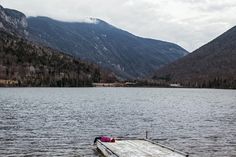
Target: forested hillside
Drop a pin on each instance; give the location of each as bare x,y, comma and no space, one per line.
25,64
212,66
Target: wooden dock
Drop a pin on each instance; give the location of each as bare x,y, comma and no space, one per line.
136,148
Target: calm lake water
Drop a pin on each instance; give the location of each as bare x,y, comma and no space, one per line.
64,122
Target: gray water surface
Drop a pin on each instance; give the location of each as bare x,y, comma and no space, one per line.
64,122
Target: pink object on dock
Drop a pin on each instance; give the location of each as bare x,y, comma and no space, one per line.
107,139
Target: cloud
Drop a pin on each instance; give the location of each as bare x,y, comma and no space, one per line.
189,23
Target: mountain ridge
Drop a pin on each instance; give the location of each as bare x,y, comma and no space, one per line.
129,56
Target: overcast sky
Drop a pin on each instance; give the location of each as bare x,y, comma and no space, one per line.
189,23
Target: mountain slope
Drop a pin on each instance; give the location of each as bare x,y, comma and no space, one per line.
23,63
212,65
127,55
32,65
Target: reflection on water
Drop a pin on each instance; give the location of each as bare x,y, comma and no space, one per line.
64,122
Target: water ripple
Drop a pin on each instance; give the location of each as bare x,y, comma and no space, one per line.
64,121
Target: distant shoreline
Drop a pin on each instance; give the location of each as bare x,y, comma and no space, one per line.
111,86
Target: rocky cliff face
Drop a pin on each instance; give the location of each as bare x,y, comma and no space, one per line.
13,21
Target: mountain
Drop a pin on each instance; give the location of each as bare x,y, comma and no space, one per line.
129,56
212,65
23,63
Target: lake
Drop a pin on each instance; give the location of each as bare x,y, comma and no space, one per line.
64,121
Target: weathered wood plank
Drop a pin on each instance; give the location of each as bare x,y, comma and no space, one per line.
137,148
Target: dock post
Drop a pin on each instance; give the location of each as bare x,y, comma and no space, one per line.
146,134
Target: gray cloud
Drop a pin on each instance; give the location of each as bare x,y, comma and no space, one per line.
189,23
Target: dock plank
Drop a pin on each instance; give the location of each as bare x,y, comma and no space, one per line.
139,148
